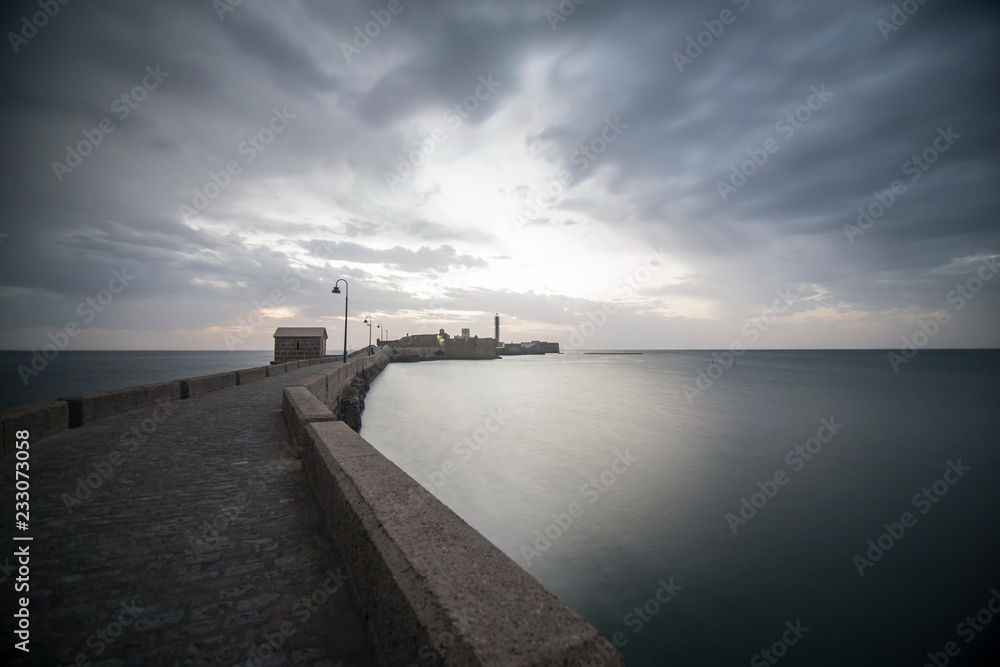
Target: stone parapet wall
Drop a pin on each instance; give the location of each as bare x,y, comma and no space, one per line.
49,418
88,407
470,348
41,420
206,383
428,582
340,389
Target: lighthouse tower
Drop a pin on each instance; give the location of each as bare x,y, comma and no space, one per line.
496,329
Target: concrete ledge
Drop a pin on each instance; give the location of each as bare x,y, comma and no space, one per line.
41,420
316,384
207,383
248,375
299,408
378,362
336,384
334,381
426,580
88,407
275,369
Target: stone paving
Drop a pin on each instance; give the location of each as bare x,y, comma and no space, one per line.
180,535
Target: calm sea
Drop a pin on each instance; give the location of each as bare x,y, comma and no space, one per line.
813,505
80,372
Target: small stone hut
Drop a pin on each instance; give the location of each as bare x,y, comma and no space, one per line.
294,343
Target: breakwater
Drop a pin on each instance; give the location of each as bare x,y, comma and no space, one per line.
430,584
202,574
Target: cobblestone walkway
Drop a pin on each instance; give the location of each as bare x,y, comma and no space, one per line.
180,535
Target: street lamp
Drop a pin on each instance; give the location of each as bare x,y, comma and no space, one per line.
368,321
385,332
336,290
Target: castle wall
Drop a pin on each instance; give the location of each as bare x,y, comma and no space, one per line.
470,348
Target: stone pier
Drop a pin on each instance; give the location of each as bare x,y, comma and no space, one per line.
235,519
182,533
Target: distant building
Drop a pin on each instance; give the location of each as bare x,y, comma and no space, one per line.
442,346
533,347
424,347
415,340
293,343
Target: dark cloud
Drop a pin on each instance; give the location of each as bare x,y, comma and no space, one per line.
891,95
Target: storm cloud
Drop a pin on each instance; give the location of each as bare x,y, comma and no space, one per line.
456,159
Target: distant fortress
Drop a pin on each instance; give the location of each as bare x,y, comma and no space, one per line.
428,347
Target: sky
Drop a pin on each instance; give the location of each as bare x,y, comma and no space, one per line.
608,175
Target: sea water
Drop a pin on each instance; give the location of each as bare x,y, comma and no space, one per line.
801,507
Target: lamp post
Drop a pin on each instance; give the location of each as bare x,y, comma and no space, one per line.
385,333
336,290
368,321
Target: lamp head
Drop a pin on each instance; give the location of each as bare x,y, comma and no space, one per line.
336,289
